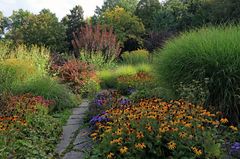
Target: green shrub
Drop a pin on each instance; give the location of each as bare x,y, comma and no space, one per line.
195,92
15,71
4,51
98,61
39,56
136,57
51,90
91,88
107,79
211,53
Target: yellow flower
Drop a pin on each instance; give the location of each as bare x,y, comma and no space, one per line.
149,128
197,151
119,141
119,132
224,120
182,134
172,145
94,135
140,135
188,125
123,150
110,155
233,128
140,146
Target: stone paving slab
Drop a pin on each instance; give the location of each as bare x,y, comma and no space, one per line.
68,132
82,141
74,155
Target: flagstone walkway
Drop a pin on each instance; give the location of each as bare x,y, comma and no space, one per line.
75,140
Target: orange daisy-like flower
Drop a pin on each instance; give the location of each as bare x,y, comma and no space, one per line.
197,151
140,135
123,150
233,128
110,155
182,134
171,145
140,146
224,120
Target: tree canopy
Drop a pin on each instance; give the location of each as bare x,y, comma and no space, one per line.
125,25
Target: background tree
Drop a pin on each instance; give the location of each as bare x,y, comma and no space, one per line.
126,26
17,20
1,23
72,22
42,29
128,5
146,11
225,11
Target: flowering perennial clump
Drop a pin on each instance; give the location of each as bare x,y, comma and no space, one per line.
15,110
130,82
154,128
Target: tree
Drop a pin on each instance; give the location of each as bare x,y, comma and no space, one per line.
224,11
128,5
41,29
2,25
72,22
17,20
146,10
125,25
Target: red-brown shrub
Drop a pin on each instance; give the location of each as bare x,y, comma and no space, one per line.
76,74
92,39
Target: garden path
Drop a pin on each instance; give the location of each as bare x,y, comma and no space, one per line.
75,140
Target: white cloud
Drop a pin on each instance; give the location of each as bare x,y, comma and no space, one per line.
59,7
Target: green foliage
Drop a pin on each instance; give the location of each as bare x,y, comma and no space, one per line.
35,140
128,5
41,29
225,11
195,92
15,71
73,21
98,61
146,10
136,57
108,78
125,25
50,89
211,53
38,56
91,88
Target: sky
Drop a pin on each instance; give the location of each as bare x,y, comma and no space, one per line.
59,7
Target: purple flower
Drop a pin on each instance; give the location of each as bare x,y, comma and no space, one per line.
131,90
235,148
98,118
99,102
124,101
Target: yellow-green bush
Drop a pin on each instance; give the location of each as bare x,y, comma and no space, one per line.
212,53
15,71
136,57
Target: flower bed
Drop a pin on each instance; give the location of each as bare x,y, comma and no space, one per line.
26,129
153,128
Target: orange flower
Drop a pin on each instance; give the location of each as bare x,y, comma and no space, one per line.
224,120
123,150
140,146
